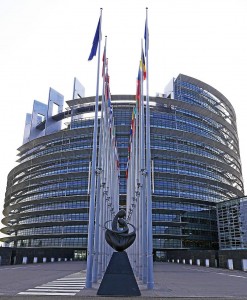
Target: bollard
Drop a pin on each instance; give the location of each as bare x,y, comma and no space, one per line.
230,264
24,260
216,263
244,264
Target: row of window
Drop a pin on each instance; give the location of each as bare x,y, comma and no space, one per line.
200,172
188,127
163,117
195,95
63,148
193,149
207,220
55,206
53,242
55,218
198,221
172,189
196,190
82,242
163,145
188,185
174,205
162,142
203,214
54,141
53,170
167,243
166,230
77,160
229,134
177,169
171,166
81,123
162,188
166,217
49,186
200,244
53,230
52,194
206,233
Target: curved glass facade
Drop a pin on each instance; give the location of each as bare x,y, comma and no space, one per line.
195,158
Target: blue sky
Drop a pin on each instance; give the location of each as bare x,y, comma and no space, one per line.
45,43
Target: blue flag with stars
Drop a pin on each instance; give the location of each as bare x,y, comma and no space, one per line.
95,42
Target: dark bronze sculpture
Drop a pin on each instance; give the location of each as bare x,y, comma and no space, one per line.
119,237
119,279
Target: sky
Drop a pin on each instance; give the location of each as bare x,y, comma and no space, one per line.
46,43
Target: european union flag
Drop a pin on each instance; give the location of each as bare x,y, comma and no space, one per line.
95,42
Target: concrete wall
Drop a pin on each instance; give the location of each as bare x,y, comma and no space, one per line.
5,254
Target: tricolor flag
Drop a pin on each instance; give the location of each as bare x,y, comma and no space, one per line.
143,66
127,170
138,87
97,36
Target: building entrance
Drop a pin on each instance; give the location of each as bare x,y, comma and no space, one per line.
80,254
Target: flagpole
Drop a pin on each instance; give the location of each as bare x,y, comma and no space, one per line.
138,242
99,176
142,174
139,174
150,278
93,178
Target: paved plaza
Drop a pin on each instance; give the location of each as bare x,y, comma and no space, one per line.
64,280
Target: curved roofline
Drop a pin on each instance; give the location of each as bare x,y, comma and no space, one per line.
209,88
175,102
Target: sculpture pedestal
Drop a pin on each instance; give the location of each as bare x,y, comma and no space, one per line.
119,279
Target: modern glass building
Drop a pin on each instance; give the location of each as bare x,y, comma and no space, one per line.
232,224
195,164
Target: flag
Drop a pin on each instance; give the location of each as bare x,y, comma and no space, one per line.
107,86
104,60
133,121
146,37
126,172
143,66
95,41
138,87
